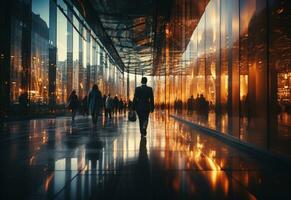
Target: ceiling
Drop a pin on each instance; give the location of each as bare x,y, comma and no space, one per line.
146,37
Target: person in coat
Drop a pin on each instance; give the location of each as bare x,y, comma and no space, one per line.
143,103
109,106
73,104
95,103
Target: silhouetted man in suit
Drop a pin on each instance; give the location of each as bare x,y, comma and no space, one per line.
143,103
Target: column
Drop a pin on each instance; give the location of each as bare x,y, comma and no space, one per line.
94,62
88,83
52,54
81,67
127,85
135,78
26,48
69,50
5,9
218,71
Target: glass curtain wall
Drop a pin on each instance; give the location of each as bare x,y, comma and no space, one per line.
91,63
81,60
20,37
238,59
61,71
76,61
279,41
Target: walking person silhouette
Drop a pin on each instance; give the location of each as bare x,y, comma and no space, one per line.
143,103
95,103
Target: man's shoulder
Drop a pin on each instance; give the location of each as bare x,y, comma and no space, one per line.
138,88
148,88
143,88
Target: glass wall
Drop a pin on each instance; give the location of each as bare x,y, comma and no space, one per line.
80,58
280,74
19,39
39,80
76,52
238,59
61,76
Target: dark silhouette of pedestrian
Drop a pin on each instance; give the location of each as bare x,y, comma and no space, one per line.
73,104
84,106
108,106
95,103
143,103
203,105
115,104
120,105
190,105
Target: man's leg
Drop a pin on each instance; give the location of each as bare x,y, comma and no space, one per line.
73,114
94,116
143,122
140,119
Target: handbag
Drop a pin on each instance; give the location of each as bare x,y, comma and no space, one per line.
131,116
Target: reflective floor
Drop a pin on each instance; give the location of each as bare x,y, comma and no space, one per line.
55,159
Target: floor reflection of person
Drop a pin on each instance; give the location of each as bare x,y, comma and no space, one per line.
143,104
108,106
143,172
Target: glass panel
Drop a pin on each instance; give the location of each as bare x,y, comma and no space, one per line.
61,77
201,56
280,76
76,36
253,55
38,92
17,69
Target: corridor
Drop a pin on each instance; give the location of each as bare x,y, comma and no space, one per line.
55,159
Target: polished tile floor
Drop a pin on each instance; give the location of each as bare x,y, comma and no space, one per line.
55,159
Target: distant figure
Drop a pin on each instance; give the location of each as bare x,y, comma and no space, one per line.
84,106
73,104
190,105
203,105
143,103
196,104
115,104
95,103
108,106
120,105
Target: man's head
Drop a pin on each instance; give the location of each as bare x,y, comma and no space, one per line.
144,80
